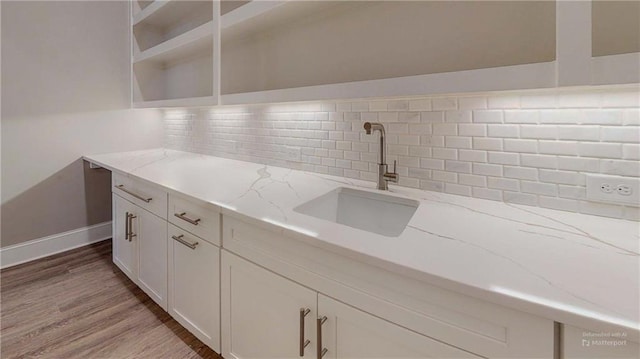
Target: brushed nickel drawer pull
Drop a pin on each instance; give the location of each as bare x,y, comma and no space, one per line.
183,217
130,220
121,187
126,226
303,343
320,350
181,240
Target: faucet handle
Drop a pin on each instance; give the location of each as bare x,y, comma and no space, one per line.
394,167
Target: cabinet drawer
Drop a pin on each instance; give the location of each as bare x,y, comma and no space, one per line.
142,194
198,218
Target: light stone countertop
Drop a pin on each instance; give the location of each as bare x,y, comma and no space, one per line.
573,268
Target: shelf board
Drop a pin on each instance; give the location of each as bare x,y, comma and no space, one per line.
529,76
615,69
178,102
165,12
258,15
149,10
180,46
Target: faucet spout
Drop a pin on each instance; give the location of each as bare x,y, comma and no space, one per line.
383,175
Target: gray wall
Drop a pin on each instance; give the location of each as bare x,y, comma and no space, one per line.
65,93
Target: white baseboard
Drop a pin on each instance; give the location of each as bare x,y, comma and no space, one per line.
43,247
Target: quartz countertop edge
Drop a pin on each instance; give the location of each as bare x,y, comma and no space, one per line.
576,269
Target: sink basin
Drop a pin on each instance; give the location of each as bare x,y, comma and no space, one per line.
368,211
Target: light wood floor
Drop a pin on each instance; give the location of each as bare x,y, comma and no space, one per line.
78,304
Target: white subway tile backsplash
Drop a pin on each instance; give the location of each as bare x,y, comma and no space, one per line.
539,131
559,203
442,176
631,117
520,173
457,142
620,167
526,148
504,158
503,101
457,116
562,177
442,104
472,103
472,155
420,105
558,147
457,189
503,183
522,146
445,153
488,116
540,161
631,151
601,150
580,164
503,131
457,166
620,134
445,129
487,169
547,189
603,117
432,117
579,133
520,198
491,144
477,130
572,192
431,163
487,193
521,116
472,180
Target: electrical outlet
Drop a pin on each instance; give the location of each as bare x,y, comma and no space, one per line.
613,189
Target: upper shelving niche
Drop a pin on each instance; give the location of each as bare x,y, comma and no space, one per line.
615,42
173,53
269,46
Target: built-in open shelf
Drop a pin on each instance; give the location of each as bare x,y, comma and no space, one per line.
194,41
202,53
175,44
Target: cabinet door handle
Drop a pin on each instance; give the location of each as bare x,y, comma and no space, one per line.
303,343
126,226
320,350
130,220
183,217
180,239
121,187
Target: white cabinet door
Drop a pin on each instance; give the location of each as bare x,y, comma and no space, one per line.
194,285
351,333
261,313
150,233
124,250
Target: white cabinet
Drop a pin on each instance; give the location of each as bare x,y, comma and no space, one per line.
350,333
261,315
265,315
140,248
150,232
124,250
194,286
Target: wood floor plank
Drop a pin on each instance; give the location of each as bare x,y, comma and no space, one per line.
78,304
